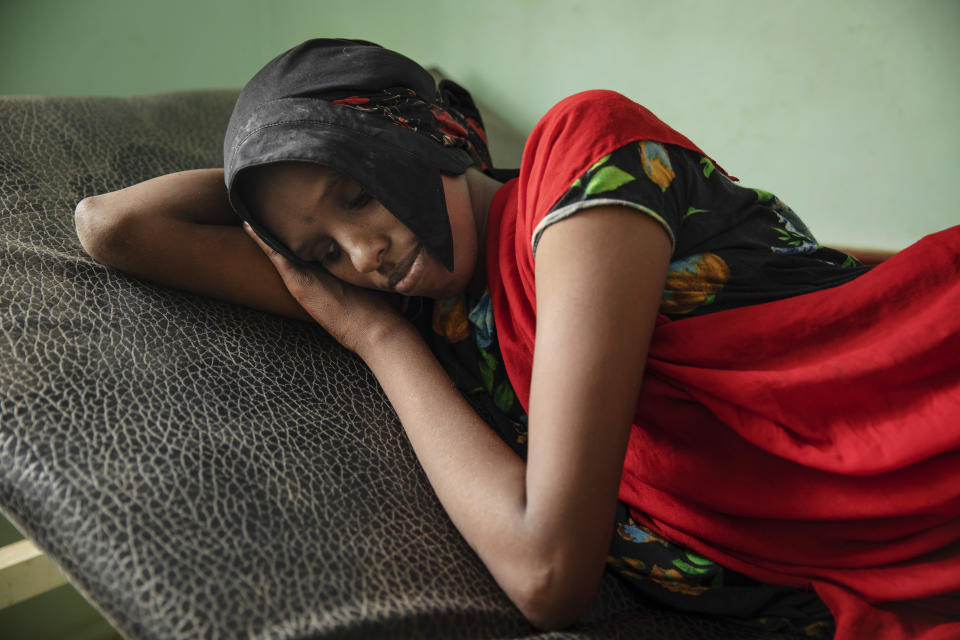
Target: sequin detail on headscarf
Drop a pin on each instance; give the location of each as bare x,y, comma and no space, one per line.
405,108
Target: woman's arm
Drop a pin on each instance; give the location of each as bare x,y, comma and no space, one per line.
543,527
178,230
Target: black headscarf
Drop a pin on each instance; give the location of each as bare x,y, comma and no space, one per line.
368,113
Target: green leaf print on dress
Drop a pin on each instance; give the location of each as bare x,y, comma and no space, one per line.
608,179
792,232
850,261
579,181
673,568
794,235
599,162
708,166
503,397
764,196
488,367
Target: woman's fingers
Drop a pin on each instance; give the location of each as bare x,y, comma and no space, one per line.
288,271
260,243
275,258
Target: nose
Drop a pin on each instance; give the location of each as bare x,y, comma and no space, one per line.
366,251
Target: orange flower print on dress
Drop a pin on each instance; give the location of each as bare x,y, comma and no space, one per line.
675,581
656,164
450,319
692,282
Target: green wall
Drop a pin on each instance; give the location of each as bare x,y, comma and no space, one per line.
847,109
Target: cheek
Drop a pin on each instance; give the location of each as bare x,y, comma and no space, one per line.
462,227
345,275
438,283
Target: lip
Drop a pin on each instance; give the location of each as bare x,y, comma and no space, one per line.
407,275
403,267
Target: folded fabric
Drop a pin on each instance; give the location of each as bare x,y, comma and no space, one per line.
816,441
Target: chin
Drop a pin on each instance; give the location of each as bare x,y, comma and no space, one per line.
439,283
442,292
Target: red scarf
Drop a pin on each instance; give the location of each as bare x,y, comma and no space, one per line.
812,441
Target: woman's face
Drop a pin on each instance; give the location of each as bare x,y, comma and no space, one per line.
327,218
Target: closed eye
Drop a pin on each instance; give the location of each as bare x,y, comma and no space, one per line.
359,201
323,252
331,254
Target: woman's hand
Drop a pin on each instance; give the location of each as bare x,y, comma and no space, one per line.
354,316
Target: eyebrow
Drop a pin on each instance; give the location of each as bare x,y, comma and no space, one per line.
332,184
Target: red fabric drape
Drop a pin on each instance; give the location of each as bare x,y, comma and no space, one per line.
812,441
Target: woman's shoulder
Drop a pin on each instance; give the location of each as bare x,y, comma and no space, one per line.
602,113
578,132
601,100
583,128
589,114
588,100
573,134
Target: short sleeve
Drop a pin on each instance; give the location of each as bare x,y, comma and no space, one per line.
640,175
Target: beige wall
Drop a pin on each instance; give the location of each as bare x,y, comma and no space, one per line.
847,109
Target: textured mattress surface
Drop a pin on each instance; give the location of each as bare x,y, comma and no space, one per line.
202,470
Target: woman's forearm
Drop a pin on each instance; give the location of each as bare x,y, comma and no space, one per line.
178,230
479,480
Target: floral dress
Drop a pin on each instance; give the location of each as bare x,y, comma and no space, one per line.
732,247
